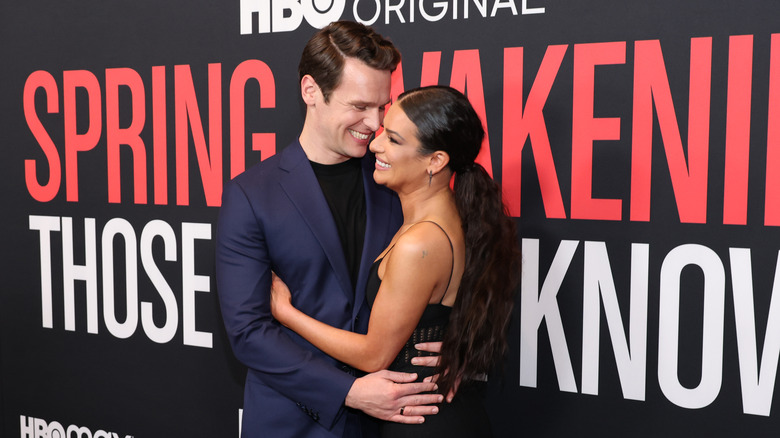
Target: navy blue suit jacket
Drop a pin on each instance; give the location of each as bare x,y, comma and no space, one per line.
275,217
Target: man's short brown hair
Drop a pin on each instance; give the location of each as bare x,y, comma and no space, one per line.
324,55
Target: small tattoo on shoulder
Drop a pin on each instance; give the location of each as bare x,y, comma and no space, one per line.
425,253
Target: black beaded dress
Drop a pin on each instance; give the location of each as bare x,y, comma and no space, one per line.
465,416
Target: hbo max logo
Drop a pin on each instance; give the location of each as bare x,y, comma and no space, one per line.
287,15
31,427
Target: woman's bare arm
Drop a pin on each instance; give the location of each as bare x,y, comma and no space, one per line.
418,264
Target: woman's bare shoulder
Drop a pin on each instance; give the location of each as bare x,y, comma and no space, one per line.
423,239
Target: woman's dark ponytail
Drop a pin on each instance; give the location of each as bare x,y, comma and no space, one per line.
476,334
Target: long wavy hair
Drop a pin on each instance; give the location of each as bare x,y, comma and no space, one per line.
475,338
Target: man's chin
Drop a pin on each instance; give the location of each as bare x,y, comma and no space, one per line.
358,152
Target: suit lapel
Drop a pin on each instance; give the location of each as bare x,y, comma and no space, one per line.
379,218
301,186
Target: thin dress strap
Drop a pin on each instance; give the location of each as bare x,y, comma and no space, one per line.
452,252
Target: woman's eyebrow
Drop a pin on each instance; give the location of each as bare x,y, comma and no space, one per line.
395,133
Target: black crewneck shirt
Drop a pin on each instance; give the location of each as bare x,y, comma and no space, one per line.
342,185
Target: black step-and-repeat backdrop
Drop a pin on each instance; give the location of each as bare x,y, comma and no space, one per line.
637,142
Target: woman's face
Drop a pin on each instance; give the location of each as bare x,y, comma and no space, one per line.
399,164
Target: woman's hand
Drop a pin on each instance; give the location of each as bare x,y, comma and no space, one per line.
281,299
433,361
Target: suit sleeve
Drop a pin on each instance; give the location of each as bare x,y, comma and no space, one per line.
243,280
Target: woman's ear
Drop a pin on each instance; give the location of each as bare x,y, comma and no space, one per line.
438,161
309,90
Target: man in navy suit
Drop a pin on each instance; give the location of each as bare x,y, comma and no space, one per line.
313,215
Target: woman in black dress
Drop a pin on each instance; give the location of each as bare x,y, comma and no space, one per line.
448,274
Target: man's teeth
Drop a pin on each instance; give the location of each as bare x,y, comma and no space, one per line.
382,164
358,135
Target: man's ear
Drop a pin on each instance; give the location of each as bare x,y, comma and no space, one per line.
309,90
438,161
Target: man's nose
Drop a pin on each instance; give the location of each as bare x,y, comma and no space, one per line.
374,120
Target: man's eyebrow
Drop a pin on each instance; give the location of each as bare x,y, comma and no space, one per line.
366,103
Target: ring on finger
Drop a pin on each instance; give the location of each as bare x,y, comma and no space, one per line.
402,410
